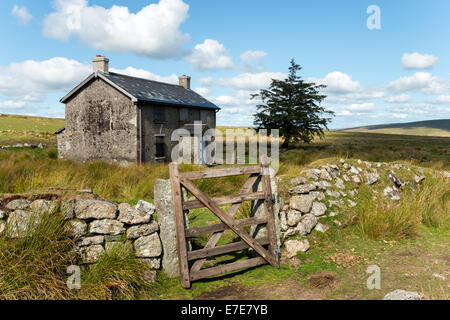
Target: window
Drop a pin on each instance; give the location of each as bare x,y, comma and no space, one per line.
184,114
204,116
159,114
160,147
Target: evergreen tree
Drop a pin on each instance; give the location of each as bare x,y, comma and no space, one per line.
294,107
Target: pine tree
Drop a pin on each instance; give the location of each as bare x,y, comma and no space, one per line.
294,107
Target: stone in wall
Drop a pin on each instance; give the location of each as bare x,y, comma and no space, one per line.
95,209
148,246
135,232
131,215
106,226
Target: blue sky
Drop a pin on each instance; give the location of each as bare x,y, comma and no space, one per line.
398,73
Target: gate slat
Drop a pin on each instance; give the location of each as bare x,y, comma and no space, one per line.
195,231
216,173
226,248
195,204
205,273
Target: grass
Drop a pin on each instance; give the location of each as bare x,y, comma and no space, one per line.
407,237
34,267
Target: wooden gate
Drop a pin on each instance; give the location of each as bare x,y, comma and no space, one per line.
191,262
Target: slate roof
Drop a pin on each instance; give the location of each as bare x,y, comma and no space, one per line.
148,90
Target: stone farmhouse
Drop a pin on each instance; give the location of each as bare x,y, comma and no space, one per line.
127,119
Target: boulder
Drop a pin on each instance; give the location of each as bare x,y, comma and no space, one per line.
68,209
402,295
372,177
313,174
391,193
302,202
293,217
135,232
294,246
319,196
44,206
77,228
324,175
318,209
19,204
131,215
302,189
106,226
419,178
298,180
153,264
307,224
89,241
321,227
95,209
353,170
324,185
22,222
397,182
145,206
148,246
91,254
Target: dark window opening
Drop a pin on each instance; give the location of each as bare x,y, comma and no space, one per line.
159,114
160,148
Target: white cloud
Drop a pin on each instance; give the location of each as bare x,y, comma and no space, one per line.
141,73
399,115
210,55
417,60
21,14
419,81
442,99
152,32
338,82
11,104
202,91
253,55
398,98
360,106
32,80
245,81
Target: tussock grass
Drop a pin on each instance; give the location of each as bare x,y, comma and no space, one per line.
379,218
34,267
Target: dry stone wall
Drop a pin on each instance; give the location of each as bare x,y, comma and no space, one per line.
95,225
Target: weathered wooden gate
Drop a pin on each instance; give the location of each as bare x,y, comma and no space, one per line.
191,262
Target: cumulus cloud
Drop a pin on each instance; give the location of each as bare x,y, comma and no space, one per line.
210,55
153,31
253,61
420,81
21,14
360,106
398,98
32,80
338,82
399,115
245,81
441,99
141,73
253,55
202,91
417,60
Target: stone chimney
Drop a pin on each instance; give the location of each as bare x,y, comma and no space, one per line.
100,63
185,81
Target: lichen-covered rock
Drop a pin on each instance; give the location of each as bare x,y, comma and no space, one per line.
397,182
324,185
89,241
153,264
19,204
321,227
356,179
391,193
302,202
22,222
2,227
353,170
77,228
68,209
298,180
402,295
148,246
318,209
302,189
106,226
313,174
333,194
44,206
91,254
293,217
339,184
283,221
307,224
294,246
318,195
135,232
372,177
145,206
419,178
95,209
131,215
325,175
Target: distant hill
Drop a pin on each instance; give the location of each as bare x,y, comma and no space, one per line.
419,128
